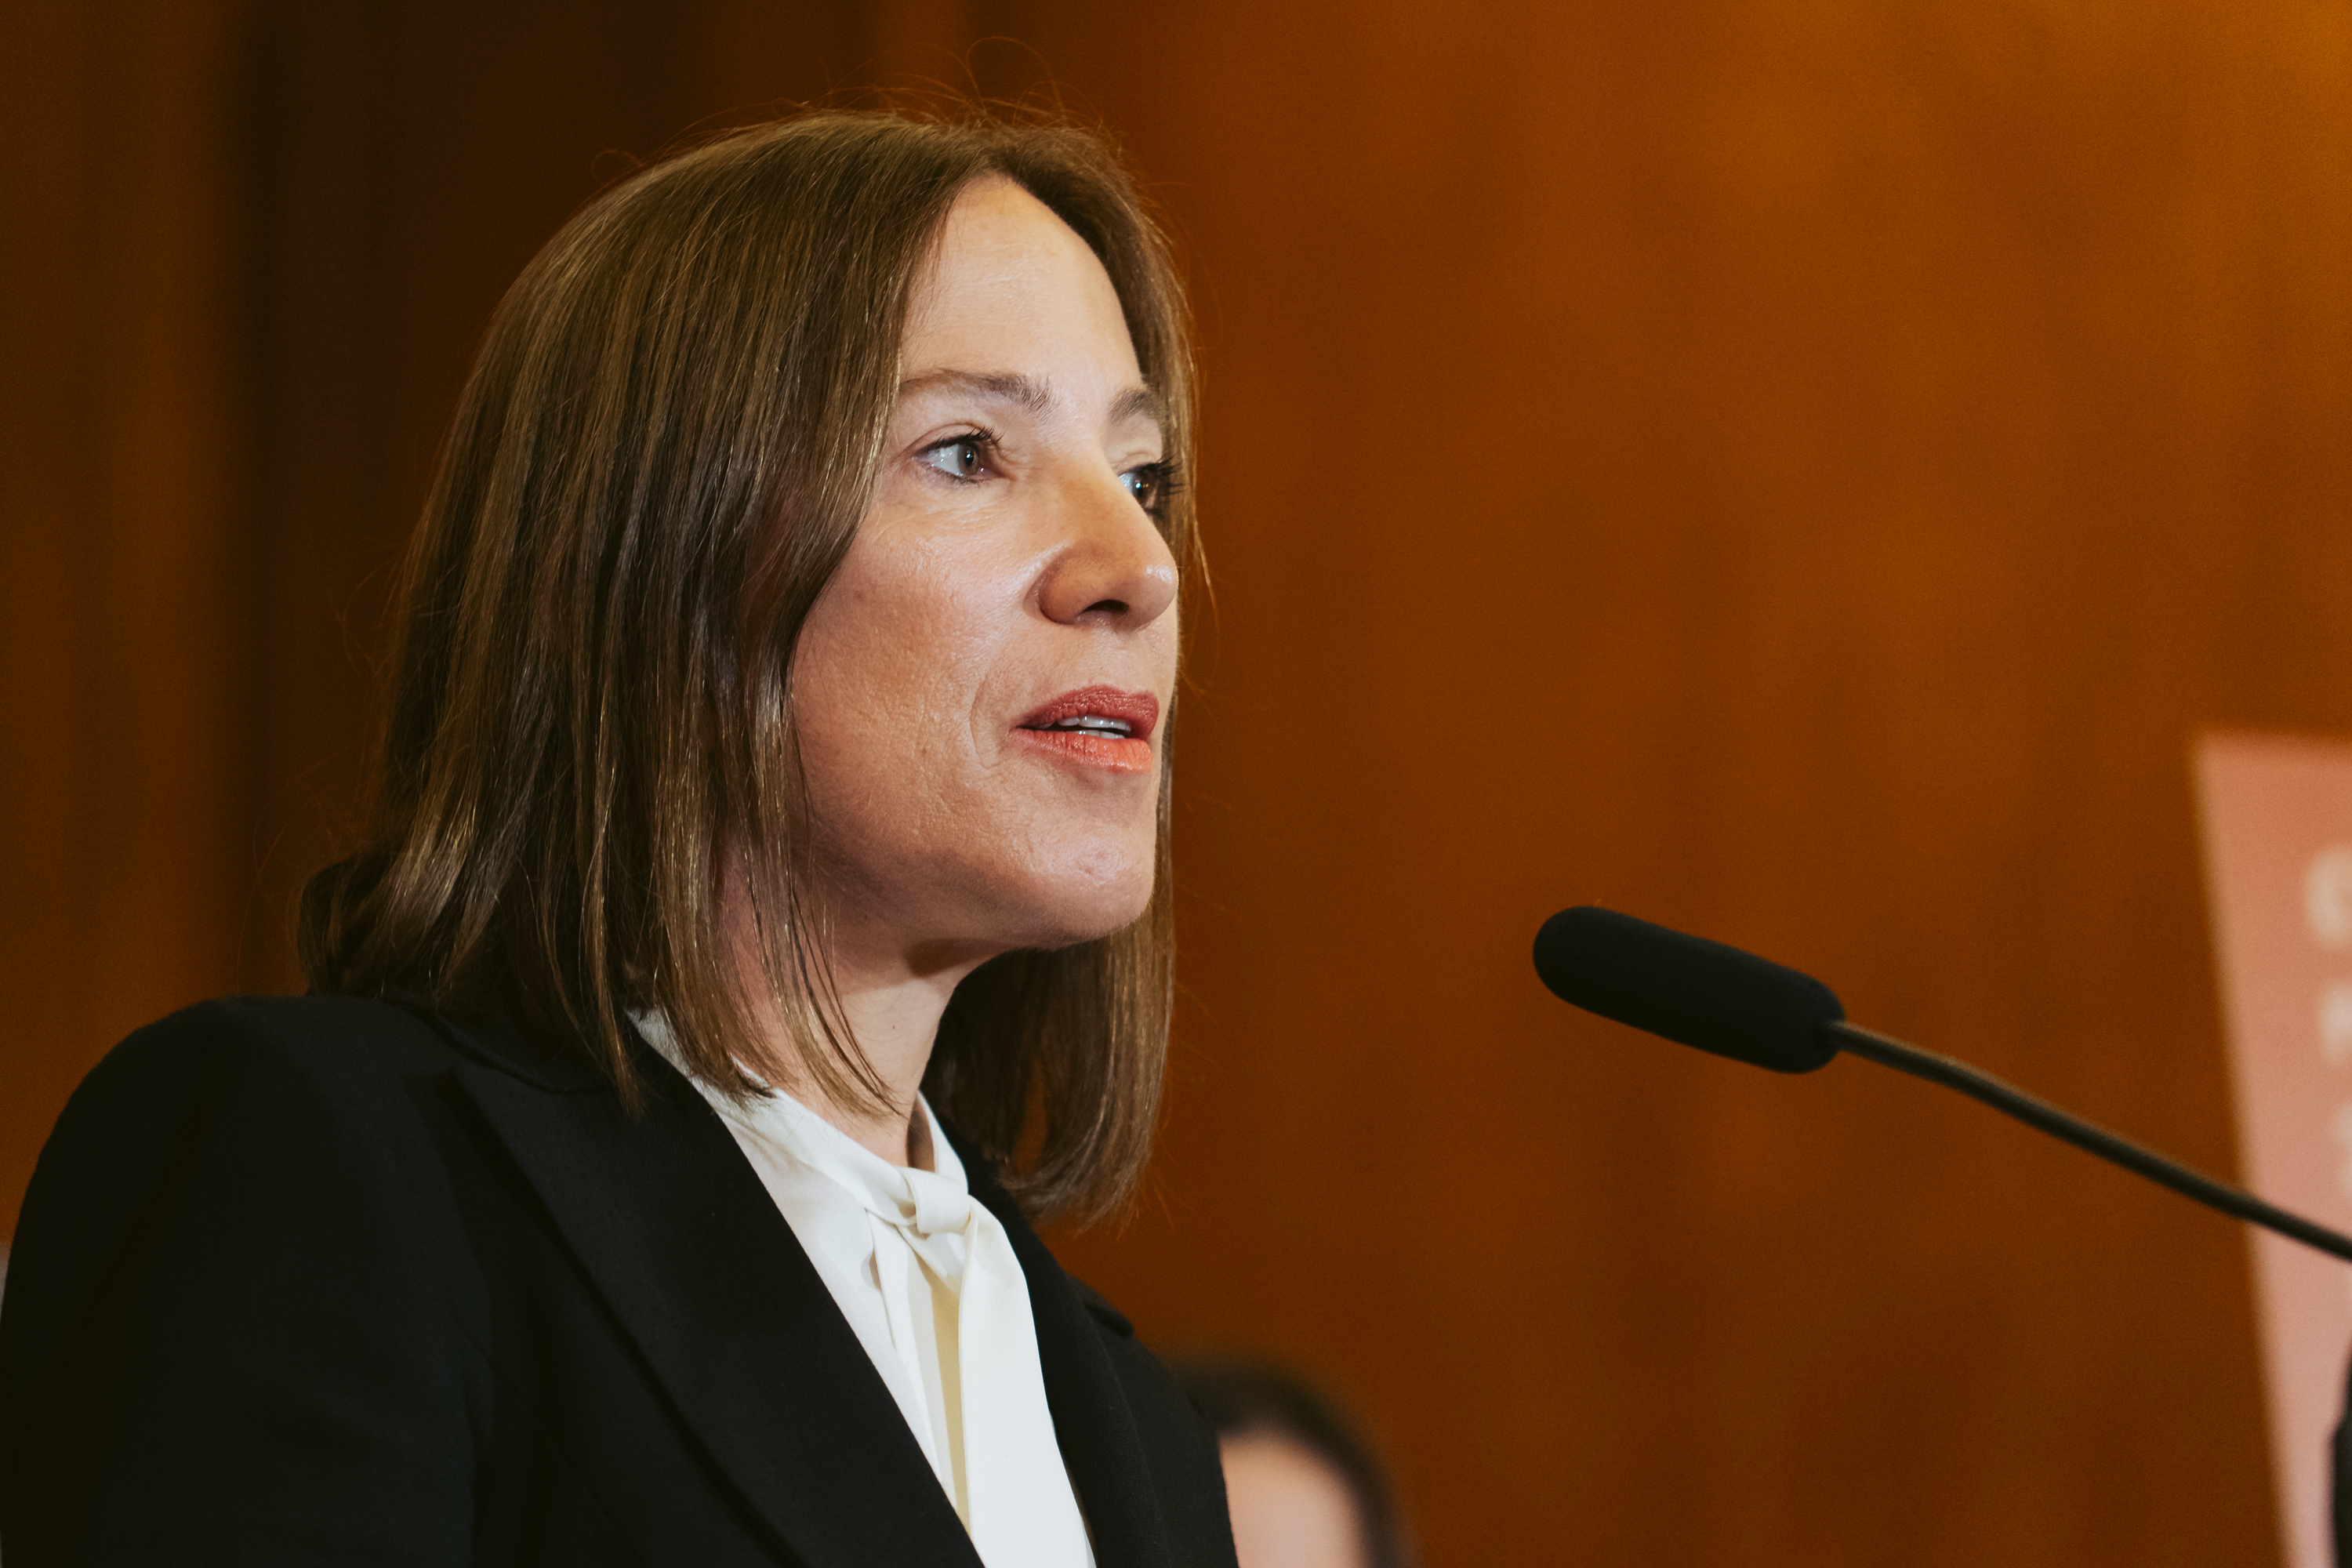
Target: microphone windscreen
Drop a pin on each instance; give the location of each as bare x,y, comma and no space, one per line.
1692,991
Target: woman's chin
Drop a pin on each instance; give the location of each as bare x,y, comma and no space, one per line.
1073,931
1067,912
1039,932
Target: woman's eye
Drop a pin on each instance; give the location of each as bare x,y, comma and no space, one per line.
1148,485
963,458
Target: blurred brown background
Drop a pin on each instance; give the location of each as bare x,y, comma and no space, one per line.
1798,471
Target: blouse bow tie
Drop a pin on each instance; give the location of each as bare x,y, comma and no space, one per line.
1010,1470
1002,1467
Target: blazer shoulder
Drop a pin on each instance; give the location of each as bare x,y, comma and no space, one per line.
238,1275
257,1059
1105,1316
329,1046
322,1037
255,1079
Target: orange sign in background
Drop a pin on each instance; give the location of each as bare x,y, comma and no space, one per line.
2278,852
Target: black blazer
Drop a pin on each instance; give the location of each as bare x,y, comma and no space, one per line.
323,1281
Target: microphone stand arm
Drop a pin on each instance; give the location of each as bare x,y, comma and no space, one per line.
2012,1101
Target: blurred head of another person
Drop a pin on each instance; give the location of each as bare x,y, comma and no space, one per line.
1305,1489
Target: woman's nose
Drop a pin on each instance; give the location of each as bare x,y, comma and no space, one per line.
1115,569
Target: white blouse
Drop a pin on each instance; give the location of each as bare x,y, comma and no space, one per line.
929,1282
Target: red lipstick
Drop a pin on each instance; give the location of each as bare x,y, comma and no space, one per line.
1097,726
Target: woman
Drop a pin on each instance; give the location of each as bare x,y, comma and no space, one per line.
778,756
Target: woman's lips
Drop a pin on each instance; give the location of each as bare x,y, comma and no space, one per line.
1099,726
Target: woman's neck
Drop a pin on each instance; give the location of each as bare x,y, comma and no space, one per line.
890,1005
894,1019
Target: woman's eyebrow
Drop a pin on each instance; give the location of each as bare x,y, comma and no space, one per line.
1140,402
1029,392
1001,386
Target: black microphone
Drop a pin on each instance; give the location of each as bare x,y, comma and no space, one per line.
1734,1003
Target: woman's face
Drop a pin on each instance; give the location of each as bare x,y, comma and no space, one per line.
982,687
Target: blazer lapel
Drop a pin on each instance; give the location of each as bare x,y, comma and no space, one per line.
1099,1442
676,1233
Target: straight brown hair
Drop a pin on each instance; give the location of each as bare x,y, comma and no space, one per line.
668,441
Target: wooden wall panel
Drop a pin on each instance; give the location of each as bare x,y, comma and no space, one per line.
253,247
123,702
1800,473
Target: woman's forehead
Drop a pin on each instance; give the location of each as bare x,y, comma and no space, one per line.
999,241
1012,302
